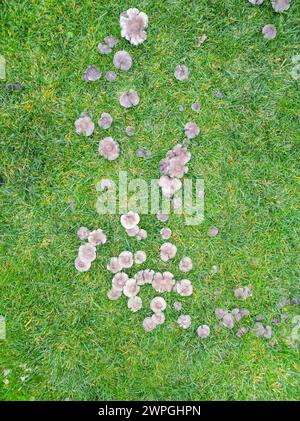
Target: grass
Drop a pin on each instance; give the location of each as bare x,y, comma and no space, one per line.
60,323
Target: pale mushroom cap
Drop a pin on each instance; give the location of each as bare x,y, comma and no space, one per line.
126,259
109,149
83,233
269,31
130,220
191,130
92,74
114,265
280,5
177,167
133,24
184,288
135,304
213,232
168,251
169,185
110,40
105,120
203,331
184,321
140,257
97,237
142,234
129,131
177,305
129,99
132,232
220,313
104,49
119,280
158,304
149,324
162,283
84,125
131,288
114,294
104,184
87,252
186,264
158,318
122,60
258,2
228,321
165,233
181,72
82,265
110,76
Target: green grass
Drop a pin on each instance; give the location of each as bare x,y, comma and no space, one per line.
60,323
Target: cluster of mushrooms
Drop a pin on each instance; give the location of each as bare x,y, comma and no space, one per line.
173,168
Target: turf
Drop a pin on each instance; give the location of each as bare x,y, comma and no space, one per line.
60,323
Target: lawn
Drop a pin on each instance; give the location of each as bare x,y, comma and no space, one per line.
78,344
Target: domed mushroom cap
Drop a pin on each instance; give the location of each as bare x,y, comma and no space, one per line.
181,72
122,60
149,324
114,294
169,186
109,149
158,304
177,167
104,49
111,41
87,252
97,237
84,125
280,5
140,257
228,321
105,120
82,265
130,220
269,31
126,259
184,321
184,288
135,304
132,232
177,305
131,288
186,264
165,233
203,331
119,280
110,76
158,318
220,313
191,130
133,24
141,235
114,265
83,233
167,251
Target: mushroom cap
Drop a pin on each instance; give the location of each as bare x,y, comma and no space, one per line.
122,60
130,220
203,331
158,304
82,265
